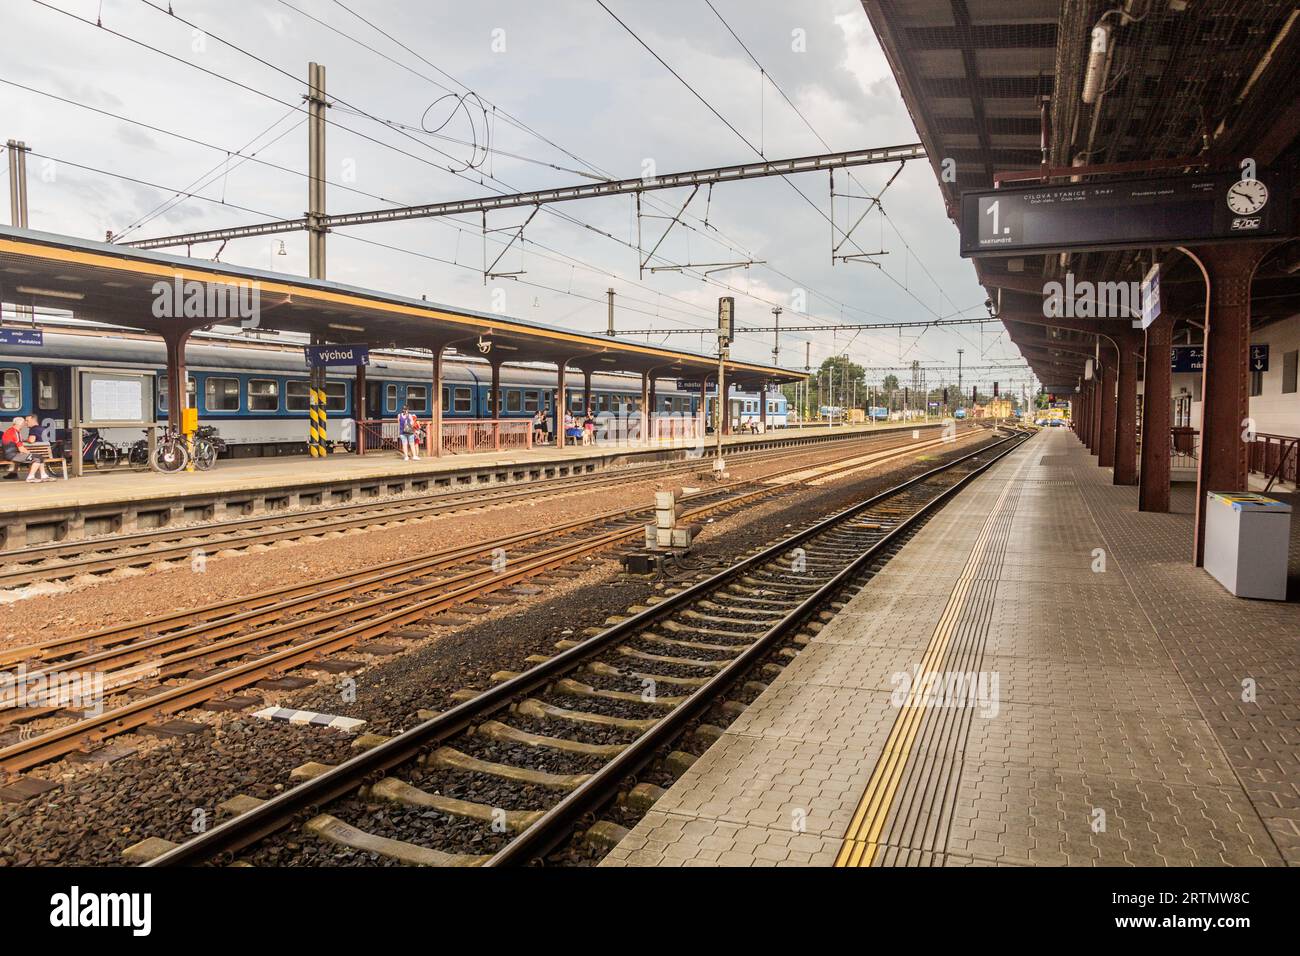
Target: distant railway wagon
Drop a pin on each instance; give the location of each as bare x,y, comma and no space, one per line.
256,394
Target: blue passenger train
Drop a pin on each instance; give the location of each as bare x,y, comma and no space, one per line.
255,392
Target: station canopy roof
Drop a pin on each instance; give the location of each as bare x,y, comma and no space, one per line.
1213,79
115,285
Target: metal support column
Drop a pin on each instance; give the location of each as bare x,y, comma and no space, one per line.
1153,480
561,405
433,436
1095,445
1126,412
1106,438
645,408
1225,382
316,230
359,409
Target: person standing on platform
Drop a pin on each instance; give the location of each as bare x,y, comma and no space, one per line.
539,427
406,428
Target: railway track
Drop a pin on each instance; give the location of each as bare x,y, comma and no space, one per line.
515,772
168,664
62,561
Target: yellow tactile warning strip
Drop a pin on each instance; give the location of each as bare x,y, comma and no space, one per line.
861,840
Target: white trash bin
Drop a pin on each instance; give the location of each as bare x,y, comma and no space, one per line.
1247,537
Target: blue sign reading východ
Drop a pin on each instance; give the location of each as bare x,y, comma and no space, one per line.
320,356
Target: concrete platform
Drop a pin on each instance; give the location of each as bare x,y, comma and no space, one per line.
125,499
1125,713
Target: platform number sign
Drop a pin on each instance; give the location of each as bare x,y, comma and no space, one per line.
1136,212
998,222
1259,358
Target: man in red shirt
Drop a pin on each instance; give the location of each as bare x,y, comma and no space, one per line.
11,443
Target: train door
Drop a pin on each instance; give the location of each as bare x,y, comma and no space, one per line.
375,400
52,397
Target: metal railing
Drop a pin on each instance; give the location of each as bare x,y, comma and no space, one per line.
464,437
459,436
1275,456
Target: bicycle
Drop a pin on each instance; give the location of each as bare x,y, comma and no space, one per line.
208,445
105,455
170,454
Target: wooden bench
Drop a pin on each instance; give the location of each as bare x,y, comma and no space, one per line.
42,450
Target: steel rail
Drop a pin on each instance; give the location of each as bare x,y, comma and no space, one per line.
75,736
556,824
18,568
373,764
636,470
247,609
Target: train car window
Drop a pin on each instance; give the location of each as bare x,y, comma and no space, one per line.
417,398
336,397
47,389
221,394
464,399
530,401
446,398
602,402
390,398
11,389
191,393
296,397
575,402
514,400
1290,367
263,395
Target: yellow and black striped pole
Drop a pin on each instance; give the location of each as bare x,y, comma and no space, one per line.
322,419
316,429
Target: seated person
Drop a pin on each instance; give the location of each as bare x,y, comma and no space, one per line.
36,432
15,450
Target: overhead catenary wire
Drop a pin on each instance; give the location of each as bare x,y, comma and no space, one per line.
727,286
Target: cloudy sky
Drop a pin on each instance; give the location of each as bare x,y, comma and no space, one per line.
562,93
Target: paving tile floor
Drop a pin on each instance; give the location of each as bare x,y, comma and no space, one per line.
1133,712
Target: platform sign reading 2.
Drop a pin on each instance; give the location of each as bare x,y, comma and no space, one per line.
1128,213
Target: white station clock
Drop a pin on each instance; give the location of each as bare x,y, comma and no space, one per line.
1247,196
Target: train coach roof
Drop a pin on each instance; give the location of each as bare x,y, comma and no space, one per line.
115,284
100,347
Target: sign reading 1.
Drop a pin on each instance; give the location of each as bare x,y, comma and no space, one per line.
1259,358
1124,213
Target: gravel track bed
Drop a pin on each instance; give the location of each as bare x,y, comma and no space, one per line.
91,602
670,650
570,730
91,821
388,690
658,667
520,755
483,788
609,708
632,685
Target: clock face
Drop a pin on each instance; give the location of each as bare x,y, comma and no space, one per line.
1247,196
